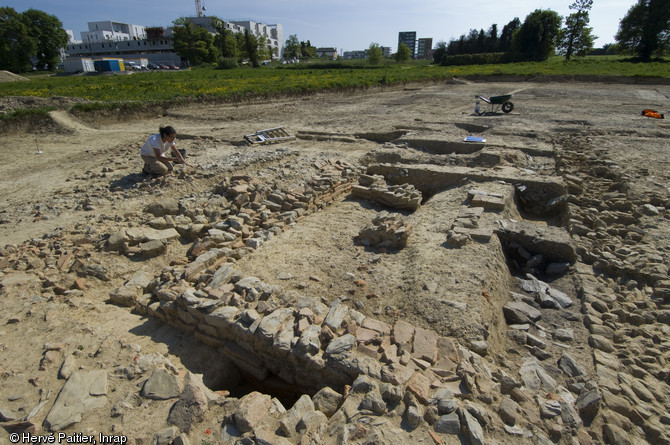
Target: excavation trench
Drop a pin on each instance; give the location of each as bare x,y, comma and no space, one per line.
287,347
534,195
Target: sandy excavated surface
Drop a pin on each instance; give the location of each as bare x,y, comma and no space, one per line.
70,184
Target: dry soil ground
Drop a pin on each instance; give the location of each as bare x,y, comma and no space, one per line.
79,178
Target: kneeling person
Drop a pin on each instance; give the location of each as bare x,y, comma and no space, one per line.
156,148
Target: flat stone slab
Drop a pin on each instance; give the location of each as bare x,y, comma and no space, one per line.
425,345
19,279
518,312
144,234
82,393
161,385
553,243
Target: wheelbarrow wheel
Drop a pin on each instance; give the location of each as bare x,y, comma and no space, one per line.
507,107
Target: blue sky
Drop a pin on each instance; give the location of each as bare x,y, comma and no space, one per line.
345,24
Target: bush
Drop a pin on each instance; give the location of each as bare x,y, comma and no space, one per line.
227,63
482,59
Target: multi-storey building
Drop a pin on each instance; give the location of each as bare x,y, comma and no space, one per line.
409,39
273,33
122,40
112,31
157,48
424,48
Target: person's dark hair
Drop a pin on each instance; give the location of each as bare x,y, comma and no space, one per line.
167,131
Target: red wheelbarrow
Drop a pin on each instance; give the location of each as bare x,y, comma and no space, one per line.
496,102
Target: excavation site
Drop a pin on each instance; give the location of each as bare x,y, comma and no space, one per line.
384,266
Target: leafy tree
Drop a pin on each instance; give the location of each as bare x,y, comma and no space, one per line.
307,51
492,39
576,37
480,46
48,34
375,54
403,54
505,40
266,50
645,30
224,40
263,48
16,46
241,48
292,47
439,52
537,37
194,43
251,48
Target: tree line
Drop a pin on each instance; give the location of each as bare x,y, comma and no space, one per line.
197,45
35,38
644,32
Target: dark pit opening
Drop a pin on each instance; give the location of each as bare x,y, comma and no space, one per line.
221,374
546,202
273,386
544,251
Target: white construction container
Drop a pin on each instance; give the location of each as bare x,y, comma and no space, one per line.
78,65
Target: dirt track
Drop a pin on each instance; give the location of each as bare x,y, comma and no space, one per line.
78,180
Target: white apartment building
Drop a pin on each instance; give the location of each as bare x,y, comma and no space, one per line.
107,31
70,37
123,40
273,33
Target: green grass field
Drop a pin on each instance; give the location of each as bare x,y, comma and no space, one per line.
108,90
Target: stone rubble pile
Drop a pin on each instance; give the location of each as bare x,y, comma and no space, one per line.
396,374
610,226
523,315
625,305
374,188
466,225
239,216
60,265
386,231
